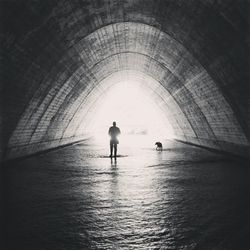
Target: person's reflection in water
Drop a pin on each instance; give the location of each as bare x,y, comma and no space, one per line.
113,162
113,133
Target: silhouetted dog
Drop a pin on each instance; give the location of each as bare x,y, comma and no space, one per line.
158,146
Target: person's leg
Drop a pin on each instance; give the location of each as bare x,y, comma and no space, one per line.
111,149
115,149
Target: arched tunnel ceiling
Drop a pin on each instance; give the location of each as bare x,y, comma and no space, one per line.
194,49
122,46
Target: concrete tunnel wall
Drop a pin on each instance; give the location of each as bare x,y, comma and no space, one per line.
56,52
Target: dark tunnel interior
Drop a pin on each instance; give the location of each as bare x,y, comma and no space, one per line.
56,53
180,69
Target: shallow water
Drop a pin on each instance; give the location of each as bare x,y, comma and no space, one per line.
76,198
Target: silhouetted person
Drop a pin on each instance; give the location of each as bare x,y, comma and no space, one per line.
114,132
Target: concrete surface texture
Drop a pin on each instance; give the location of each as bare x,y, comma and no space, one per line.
77,198
57,55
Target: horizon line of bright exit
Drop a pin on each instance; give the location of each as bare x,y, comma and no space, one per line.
137,114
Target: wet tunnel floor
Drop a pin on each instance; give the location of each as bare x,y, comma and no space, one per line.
76,198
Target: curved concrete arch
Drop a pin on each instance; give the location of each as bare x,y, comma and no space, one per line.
130,29
37,127
36,97
60,53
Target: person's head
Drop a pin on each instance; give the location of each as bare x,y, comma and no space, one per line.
114,124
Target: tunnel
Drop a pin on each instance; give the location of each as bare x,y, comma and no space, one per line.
62,59
56,53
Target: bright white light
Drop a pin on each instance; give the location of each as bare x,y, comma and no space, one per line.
135,113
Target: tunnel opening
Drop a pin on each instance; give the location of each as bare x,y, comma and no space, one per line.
135,109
